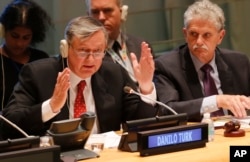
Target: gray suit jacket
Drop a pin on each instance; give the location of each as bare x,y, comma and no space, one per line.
36,84
177,82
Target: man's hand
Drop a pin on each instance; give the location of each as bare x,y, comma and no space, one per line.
59,96
237,104
144,70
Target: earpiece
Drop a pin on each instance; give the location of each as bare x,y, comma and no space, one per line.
64,47
124,12
1,30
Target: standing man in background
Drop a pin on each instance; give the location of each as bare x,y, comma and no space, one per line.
111,13
180,75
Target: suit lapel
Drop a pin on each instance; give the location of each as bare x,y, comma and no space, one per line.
190,73
103,100
225,74
99,88
132,46
129,45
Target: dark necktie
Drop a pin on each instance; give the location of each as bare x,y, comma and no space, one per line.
210,87
116,47
79,105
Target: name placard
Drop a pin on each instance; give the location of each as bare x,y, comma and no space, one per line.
172,139
39,154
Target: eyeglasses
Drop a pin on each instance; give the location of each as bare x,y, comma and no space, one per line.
97,54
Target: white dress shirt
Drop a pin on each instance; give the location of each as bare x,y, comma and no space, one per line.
209,104
47,112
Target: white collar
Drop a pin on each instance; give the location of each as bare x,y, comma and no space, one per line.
74,80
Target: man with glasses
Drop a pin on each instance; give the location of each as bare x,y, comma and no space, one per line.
47,89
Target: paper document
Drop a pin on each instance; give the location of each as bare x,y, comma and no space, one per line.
110,139
244,122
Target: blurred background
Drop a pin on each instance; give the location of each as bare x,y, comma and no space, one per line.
158,21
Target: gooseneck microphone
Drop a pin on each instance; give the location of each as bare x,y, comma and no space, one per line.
129,90
15,126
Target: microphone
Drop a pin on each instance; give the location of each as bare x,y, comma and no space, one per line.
15,126
129,90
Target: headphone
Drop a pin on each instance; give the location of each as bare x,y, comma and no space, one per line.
124,12
64,47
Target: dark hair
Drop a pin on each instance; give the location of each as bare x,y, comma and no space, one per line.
28,14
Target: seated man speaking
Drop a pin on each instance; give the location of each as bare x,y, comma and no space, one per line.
48,89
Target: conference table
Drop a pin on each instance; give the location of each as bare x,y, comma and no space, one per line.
215,151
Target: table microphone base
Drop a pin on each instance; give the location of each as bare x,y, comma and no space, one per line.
80,154
237,133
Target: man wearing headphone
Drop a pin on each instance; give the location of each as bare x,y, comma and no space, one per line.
47,89
111,13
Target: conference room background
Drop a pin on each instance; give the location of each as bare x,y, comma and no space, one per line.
158,21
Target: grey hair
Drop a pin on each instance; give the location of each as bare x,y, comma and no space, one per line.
83,27
87,2
204,9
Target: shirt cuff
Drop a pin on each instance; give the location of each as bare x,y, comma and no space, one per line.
150,98
209,104
47,112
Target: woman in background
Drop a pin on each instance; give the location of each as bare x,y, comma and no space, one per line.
23,24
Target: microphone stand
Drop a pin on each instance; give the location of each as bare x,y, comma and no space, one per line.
130,90
15,126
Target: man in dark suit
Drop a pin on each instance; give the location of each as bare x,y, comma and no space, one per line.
47,89
112,13
178,75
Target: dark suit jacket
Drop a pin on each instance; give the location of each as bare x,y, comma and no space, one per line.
133,44
177,82
36,84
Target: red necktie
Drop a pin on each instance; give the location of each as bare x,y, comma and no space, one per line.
80,106
210,87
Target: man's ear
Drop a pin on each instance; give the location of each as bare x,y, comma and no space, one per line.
222,34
